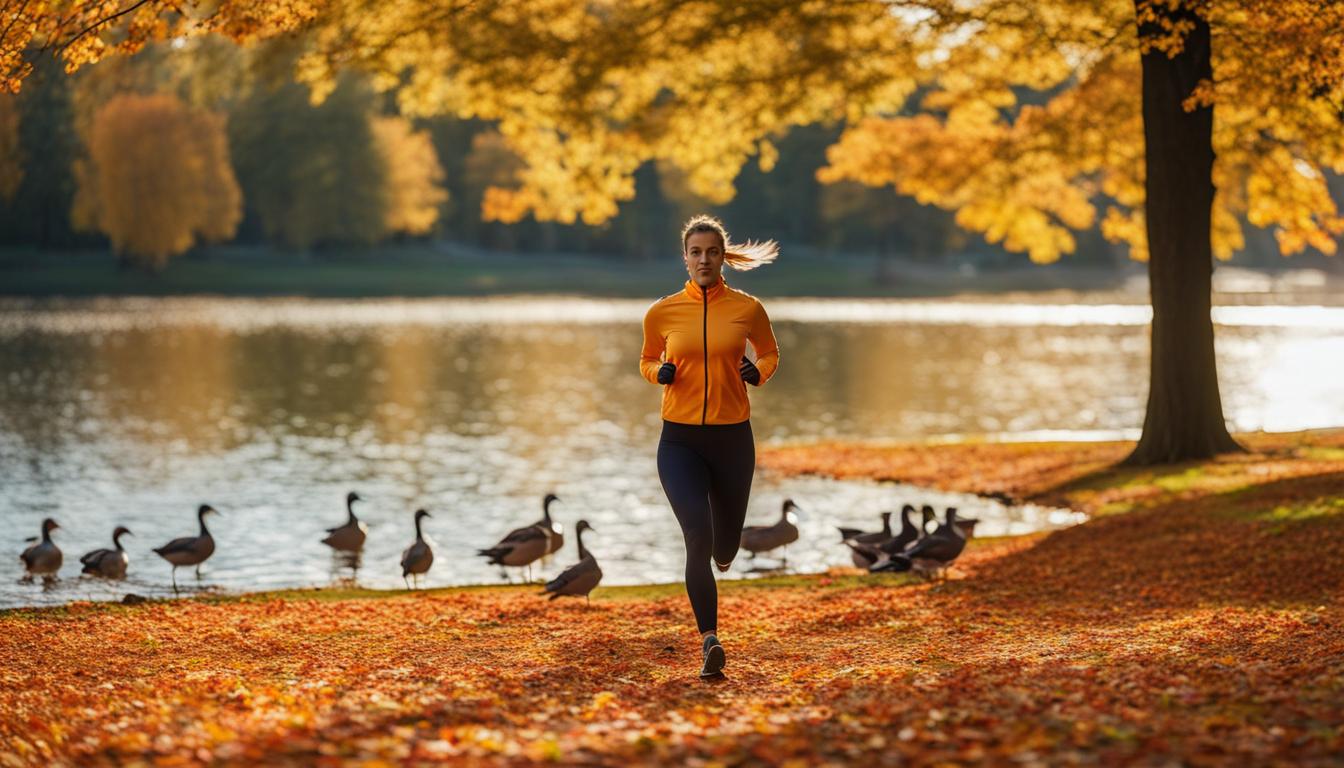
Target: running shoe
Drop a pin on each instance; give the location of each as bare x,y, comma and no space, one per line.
714,659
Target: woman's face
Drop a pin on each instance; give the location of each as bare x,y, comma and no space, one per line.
704,257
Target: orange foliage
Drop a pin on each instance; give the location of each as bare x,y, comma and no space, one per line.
1204,627
414,180
158,178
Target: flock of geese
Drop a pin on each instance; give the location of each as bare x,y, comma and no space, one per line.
913,548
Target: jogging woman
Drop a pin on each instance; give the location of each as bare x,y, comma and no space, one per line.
694,345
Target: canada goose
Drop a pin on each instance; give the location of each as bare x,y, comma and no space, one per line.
43,558
108,563
190,550
557,531
520,548
348,537
418,557
580,578
929,516
874,537
910,533
763,538
865,555
935,551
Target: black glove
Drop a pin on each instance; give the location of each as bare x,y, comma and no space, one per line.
666,373
750,373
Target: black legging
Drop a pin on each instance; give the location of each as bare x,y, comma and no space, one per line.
706,473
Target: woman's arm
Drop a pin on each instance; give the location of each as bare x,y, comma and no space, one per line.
651,356
762,338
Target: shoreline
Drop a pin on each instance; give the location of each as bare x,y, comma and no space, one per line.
1037,472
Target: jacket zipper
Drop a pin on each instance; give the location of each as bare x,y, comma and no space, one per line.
704,340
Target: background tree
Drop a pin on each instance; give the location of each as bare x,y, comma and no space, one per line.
157,179
47,145
313,174
414,178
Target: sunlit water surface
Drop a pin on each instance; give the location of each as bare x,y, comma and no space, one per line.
134,411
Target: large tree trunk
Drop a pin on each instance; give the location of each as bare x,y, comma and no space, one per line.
1185,413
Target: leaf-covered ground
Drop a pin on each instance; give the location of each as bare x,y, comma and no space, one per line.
1197,619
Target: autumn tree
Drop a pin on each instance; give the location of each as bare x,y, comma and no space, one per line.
157,179
314,174
414,178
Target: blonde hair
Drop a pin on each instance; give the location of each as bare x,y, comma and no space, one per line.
741,256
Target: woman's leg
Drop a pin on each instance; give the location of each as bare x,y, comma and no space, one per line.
685,478
731,469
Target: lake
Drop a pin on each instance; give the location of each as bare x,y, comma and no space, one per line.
134,411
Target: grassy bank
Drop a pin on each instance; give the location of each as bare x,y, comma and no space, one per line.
455,271
1196,619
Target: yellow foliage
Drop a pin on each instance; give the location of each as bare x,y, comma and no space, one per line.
414,177
158,178
585,92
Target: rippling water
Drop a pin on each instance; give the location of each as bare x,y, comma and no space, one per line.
134,411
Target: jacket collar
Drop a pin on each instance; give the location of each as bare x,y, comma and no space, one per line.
715,291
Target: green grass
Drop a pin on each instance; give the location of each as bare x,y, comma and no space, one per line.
1297,511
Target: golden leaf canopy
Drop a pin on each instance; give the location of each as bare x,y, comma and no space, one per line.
1023,117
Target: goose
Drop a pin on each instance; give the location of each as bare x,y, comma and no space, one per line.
935,551
557,531
417,558
348,537
874,537
190,550
521,547
43,558
929,517
867,555
581,577
763,538
108,563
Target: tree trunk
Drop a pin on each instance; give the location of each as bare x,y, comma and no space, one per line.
1185,413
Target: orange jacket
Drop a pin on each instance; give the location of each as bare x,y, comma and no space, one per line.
705,334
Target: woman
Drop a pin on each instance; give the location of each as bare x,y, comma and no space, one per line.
694,345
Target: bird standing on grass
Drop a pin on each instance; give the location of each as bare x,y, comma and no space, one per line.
521,547
580,578
868,555
934,552
556,530
763,538
417,558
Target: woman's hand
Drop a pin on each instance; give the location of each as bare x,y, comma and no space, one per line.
666,373
749,372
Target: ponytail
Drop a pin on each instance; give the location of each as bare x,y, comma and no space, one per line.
739,256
